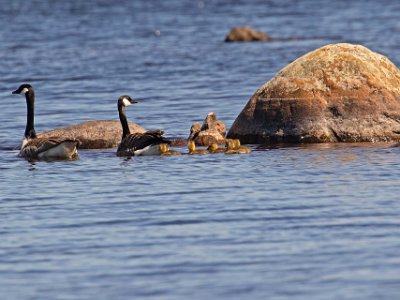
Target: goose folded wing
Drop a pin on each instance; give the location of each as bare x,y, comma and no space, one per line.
40,145
138,141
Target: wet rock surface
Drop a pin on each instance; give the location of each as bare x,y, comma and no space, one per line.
337,93
246,34
211,131
97,134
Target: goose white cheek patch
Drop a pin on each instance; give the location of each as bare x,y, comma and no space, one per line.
126,102
24,91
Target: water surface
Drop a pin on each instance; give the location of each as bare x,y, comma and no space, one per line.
304,222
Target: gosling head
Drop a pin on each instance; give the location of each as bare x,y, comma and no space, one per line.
125,100
163,148
213,147
23,89
229,144
236,143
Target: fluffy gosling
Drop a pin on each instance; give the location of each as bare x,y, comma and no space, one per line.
165,150
213,148
241,149
192,149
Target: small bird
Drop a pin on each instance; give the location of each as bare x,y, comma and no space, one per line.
213,148
33,147
241,149
165,150
137,144
230,147
233,147
192,148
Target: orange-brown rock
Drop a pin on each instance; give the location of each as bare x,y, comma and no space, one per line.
96,134
246,34
337,93
211,131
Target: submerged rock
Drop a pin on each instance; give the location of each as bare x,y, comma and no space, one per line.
97,134
337,93
211,131
246,34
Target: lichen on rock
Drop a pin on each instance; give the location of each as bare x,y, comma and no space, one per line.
211,131
337,93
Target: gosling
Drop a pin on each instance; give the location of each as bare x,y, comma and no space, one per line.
213,148
241,149
192,148
230,147
165,150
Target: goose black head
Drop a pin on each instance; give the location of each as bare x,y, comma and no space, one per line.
125,100
23,89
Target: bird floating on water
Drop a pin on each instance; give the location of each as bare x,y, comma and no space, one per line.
165,150
213,148
192,149
137,144
33,147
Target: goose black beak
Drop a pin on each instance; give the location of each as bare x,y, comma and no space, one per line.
15,92
133,101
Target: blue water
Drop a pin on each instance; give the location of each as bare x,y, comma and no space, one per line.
307,222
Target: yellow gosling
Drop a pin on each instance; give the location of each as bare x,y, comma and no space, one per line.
165,150
230,147
213,148
192,149
241,149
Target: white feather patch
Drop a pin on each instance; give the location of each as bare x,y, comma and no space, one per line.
63,150
24,91
149,150
126,102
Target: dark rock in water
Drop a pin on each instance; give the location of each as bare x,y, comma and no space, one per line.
246,34
337,93
211,131
96,134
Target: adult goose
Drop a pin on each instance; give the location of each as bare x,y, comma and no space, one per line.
137,144
33,147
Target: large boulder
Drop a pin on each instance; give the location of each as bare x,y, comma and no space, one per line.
337,93
97,134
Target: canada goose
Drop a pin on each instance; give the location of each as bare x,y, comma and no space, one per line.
137,144
192,148
33,147
213,148
239,148
165,150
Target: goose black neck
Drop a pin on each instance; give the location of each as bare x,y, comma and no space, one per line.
30,117
123,120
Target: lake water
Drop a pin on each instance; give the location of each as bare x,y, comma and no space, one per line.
304,222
